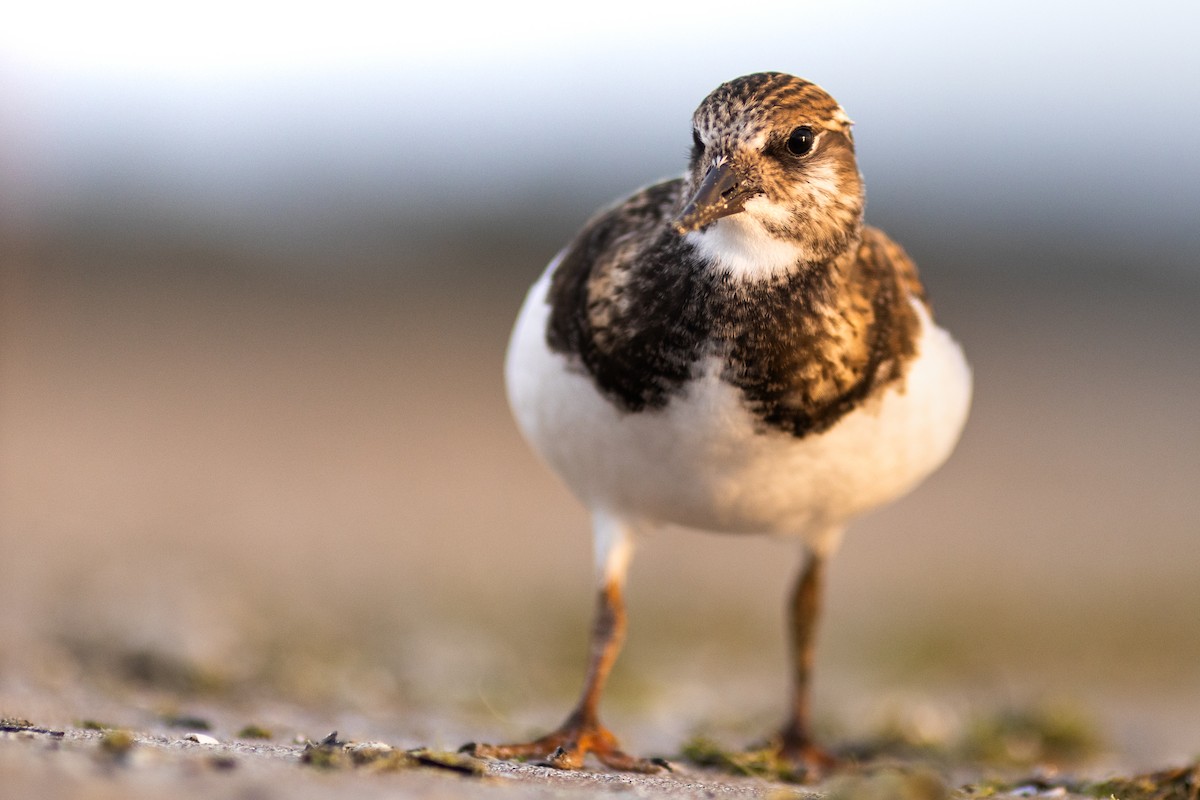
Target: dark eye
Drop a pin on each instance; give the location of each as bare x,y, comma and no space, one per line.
801,140
697,145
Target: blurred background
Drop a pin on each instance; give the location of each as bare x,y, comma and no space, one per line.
258,263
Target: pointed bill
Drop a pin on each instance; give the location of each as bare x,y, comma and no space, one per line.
722,192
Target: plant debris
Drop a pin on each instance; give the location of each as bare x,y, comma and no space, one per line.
890,784
1028,736
330,753
15,723
21,725
1181,783
759,762
93,725
253,731
189,721
443,759
116,745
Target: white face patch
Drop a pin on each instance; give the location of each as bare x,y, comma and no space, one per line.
821,179
740,244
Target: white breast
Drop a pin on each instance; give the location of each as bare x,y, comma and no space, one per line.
700,462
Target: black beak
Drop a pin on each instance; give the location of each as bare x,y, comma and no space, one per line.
722,192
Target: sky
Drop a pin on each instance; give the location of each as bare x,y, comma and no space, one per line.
250,114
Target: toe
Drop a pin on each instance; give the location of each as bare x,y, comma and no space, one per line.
568,747
810,762
622,761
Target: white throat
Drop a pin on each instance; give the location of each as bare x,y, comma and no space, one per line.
743,246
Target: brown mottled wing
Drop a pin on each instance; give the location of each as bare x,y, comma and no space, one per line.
878,247
886,277
626,305
586,286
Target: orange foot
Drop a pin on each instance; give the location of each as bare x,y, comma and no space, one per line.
566,748
809,762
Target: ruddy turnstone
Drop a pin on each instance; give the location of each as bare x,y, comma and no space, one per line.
733,351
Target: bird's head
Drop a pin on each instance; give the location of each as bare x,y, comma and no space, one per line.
772,175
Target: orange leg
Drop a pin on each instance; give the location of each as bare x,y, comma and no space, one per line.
795,739
582,732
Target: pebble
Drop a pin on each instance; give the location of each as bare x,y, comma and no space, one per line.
200,738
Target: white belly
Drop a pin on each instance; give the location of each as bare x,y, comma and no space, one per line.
700,462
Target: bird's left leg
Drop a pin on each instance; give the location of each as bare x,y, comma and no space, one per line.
582,733
795,742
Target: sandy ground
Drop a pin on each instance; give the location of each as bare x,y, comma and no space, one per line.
304,506
158,765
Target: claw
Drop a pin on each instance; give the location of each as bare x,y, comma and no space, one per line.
562,758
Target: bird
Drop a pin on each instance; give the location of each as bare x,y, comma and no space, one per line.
732,351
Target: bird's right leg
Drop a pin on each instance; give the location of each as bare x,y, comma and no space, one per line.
582,732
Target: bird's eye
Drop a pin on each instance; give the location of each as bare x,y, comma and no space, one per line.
801,140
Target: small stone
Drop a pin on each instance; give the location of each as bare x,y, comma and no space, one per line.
200,738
